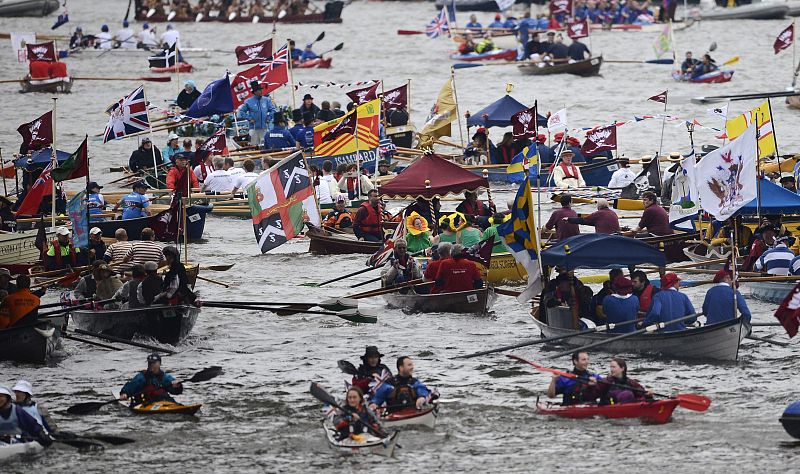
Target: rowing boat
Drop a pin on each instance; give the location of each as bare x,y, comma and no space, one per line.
712,253
411,416
50,85
31,343
18,447
362,444
195,225
494,55
319,63
331,14
19,249
159,408
167,324
17,8
713,77
504,268
585,68
327,243
769,291
657,412
474,301
754,11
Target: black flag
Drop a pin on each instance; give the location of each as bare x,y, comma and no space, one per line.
648,180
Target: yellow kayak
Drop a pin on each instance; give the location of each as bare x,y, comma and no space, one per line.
163,407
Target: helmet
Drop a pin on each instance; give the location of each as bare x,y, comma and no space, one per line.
154,357
23,386
104,28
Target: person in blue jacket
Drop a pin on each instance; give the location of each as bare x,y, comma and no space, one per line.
95,200
279,138
308,53
296,52
670,304
151,385
621,305
498,21
305,137
402,390
258,110
473,23
298,127
582,389
718,304
135,204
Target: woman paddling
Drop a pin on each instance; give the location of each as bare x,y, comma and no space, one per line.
351,421
611,390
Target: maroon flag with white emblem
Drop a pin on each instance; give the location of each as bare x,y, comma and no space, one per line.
396,98
254,53
215,145
560,6
599,140
524,123
662,97
38,133
788,312
362,96
42,52
784,39
578,29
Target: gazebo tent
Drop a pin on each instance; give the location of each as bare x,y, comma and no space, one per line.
445,178
499,114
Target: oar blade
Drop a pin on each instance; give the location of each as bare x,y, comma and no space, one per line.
113,440
320,37
206,374
81,444
466,65
693,401
339,47
156,79
338,304
358,316
87,407
660,61
347,367
321,394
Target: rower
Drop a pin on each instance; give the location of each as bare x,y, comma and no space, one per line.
97,248
566,175
621,305
104,40
578,51
14,420
107,282
204,168
610,391
176,283
441,253
150,287
777,260
485,45
458,273
151,385
145,250
297,128
718,303
670,304
401,267
135,204
144,156
419,234
643,290
481,211
596,313
22,304
582,389
473,23
218,181
279,138
87,285
339,218
23,390
126,38
116,252
177,176
305,136
243,180
367,224
604,220
170,37
62,252
5,281
498,21
655,219
147,37
328,187
371,369
188,95
557,50
688,64
95,201
623,176
294,51
402,390
764,239
308,53
127,292
559,219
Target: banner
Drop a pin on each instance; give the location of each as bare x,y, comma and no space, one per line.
519,234
438,25
784,39
362,96
76,210
128,116
557,121
648,180
766,135
254,53
76,166
270,75
661,98
37,133
663,43
217,98
523,123
42,52
684,204
599,140
578,29
396,98
558,7
442,114
342,149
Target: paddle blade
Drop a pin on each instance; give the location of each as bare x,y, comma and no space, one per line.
206,374
156,79
661,61
465,65
409,32
80,444
281,14
231,16
322,395
338,304
114,440
87,407
151,12
693,401
347,367
732,60
320,37
357,316
256,19
219,268
198,18
171,15
339,47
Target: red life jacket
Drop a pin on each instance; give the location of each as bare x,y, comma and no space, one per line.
372,223
646,298
571,172
57,252
151,391
203,170
478,210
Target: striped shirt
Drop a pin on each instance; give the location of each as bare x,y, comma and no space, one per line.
116,252
144,251
775,261
795,266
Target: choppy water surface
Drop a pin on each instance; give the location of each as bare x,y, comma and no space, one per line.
259,417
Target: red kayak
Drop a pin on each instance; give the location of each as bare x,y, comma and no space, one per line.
657,412
713,77
497,54
321,63
182,67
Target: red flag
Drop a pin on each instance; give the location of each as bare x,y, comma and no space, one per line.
38,133
76,166
524,123
42,52
254,53
578,29
662,97
784,40
347,125
362,96
560,6
788,312
215,145
40,189
396,98
600,139
271,75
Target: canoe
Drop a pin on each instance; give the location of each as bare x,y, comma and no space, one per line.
411,416
159,408
715,342
18,447
369,444
474,301
754,11
769,291
494,55
657,412
28,7
331,14
181,67
714,77
167,324
195,224
52,85
33,344
585,68
319,63
790,420
327,243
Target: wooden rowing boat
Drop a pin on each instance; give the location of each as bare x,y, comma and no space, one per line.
32,343
167,324
504,268
585,68
19,248
327,243
331,14
54,85
365,443
35,8
769,291
476,302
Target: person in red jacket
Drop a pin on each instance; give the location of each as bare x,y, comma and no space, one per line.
443,249
367,224
176,178
458,273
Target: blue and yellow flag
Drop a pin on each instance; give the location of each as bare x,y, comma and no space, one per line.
528,159
519,234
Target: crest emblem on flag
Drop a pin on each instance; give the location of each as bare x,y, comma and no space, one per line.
254,53
560,6
600,139
524,123
397,97
784,39
42,52
128,116
579,29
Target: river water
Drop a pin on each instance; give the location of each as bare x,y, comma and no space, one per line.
259,417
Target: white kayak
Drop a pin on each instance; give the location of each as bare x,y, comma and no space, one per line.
411,417
15,448
361,444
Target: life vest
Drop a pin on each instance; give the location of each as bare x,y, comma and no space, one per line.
33,411
10,425
570,172
478,210
372,223
153,389
403,395
96,203
646,298
57,251
338,219
581,391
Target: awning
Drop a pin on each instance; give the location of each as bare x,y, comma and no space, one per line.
445,178
601,251
499,114
775,199
39,159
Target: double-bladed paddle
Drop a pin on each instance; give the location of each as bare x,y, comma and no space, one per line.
338,47
347,367
320,394
352,314
110,439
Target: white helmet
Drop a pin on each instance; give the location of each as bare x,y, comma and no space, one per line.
23,386
6,391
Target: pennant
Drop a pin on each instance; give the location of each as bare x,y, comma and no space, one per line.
599,140
215,99
527,159
648,180
788,313
558,7
721,112
396,98
41,188
128,116
346,126
557,121
661,98
38,133
76,210
362,96
76,166
442,114
214,145
438,25
784,39
524,124
762,116
270,75
256,53
63,18
578,29
663,42
519,235
42,52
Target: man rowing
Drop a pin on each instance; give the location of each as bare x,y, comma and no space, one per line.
643,290
145,250
623,176
401,268
116,252
15,421
22,304
566,175
688,64
718,305
371,369
178,175
151,385
655,219
621,305
604,220
176,283
559,219
670,304
402,390
777,260
582,389
135,204
458,273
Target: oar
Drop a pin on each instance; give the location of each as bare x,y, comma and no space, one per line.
320,394
332,280
80,444
769,341
366,282
384,291
144,78
122,341
347,367
213,281
89,407
319,38
114,440
87,341
352,315
218,268
338,47
648,329
690,401
735,97
410,32
332,304
646,61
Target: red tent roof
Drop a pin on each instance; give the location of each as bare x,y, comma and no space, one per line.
445,178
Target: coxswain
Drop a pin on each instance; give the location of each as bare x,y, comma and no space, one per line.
371,370
95,201
308,53
103,40
125,38
623,176
5,281
604,220
718,303
145,249
688,64
19,304
402,390
295,52
458,273
97,248
78,40
418,233
339,217
15,421
23,391
559,219
644,290
485,45
144,156
619,388
578,51
151,385
401,268
127,292
566,175
481,211
116,252
258,111
150,287
279,138
582,389
147,37
777,260
328,188
135,204
473,23
655,219
62,252
438,255
243,180
621,305
176,283
87,285
354,416
670,304
178,175
170,37
218,181
188,95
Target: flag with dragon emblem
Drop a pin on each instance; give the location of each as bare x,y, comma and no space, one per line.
726,177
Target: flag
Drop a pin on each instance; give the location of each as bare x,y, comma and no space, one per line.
442,114
684,204
278,199
128,116
784,39
662,97
342,148
557,121
40,189
216,144
438,25
504,5
62,18
451,10
166,58
42,52
38,133
519,235
254,53
578,29
663,43
524,123
76,166
726,177
386,249
648,180
481,252
76,210
216,98
396,98
527,159
346,126
766,134
558,7
788,313
362,96
599,140
270,74
721,112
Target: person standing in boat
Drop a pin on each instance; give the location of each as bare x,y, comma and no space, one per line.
777,260
309,107
371,370
367,223
402,390
14,420
258,111
718,303
566,175
643,290
142,157
458,273
582,389
151,385
354,415
62,253
23,390
655,219
618,388
279,138
176,283
604,220
621,305
401,267
670,304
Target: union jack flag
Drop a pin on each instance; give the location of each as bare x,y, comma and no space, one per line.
270,74
438,25
387,148
128,116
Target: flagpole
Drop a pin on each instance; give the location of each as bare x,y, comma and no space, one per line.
3,164
358,161
758,176
663,124
53,165
725,124
86,192
774,136
291,74
455,96
408,99
794,51
177,66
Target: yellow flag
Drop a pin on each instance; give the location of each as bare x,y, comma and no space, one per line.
766,136
442,114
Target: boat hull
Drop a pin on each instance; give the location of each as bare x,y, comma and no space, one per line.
468,302
502,54
16,8
504,267
371,444
326,243
319,63
411,417
657,412
332,14
791,420
167,324
54,85
30,344
715,77
195,224
586,68
769,291
17,248
11,450
160,408
180,67
754,11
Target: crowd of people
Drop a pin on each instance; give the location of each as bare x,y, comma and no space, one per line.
243,8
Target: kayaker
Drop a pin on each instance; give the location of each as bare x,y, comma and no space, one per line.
458,273
402,390
706,66
401,268
355,414
339,217
308,53
559,219
151,385
604,220
688,64
670,304
367,224
134,204
582,389
718,303
439,255
655,219
144,156
62,253
479,210
371,369
97,248
176,282
621,305
777,260
95,200
643,290
23,390
14,420
610,391
468,46
566,175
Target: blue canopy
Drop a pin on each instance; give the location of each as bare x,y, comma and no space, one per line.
775,199
601,251
39,159
500,112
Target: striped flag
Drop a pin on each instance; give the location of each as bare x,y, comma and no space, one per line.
438,25
520,237
128,116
